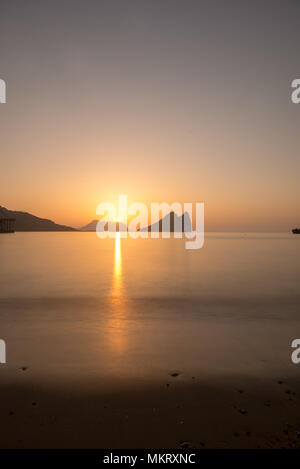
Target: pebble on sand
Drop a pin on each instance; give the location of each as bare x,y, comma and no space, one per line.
185,445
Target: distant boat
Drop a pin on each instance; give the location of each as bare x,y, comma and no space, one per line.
296,231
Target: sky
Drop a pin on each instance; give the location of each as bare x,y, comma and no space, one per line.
162,100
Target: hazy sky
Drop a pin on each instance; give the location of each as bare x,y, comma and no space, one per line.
163,100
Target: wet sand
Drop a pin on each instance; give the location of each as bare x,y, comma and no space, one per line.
181,412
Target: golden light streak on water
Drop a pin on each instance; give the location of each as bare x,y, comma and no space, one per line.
117,324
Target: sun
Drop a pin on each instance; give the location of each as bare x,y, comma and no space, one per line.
117,219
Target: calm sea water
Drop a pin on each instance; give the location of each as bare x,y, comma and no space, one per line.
74,306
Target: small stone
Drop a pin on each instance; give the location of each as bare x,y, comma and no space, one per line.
243,411
185,445
174,375
34,403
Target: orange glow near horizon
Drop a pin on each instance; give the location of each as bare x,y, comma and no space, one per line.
225,210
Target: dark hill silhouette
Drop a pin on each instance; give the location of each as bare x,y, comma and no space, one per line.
90,226
93,225
296,231
175,220
27,222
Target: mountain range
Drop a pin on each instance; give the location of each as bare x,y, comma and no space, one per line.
175,221
27,222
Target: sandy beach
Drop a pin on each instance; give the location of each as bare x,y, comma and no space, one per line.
182,412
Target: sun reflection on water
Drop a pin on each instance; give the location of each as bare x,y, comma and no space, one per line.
117,330
117,283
